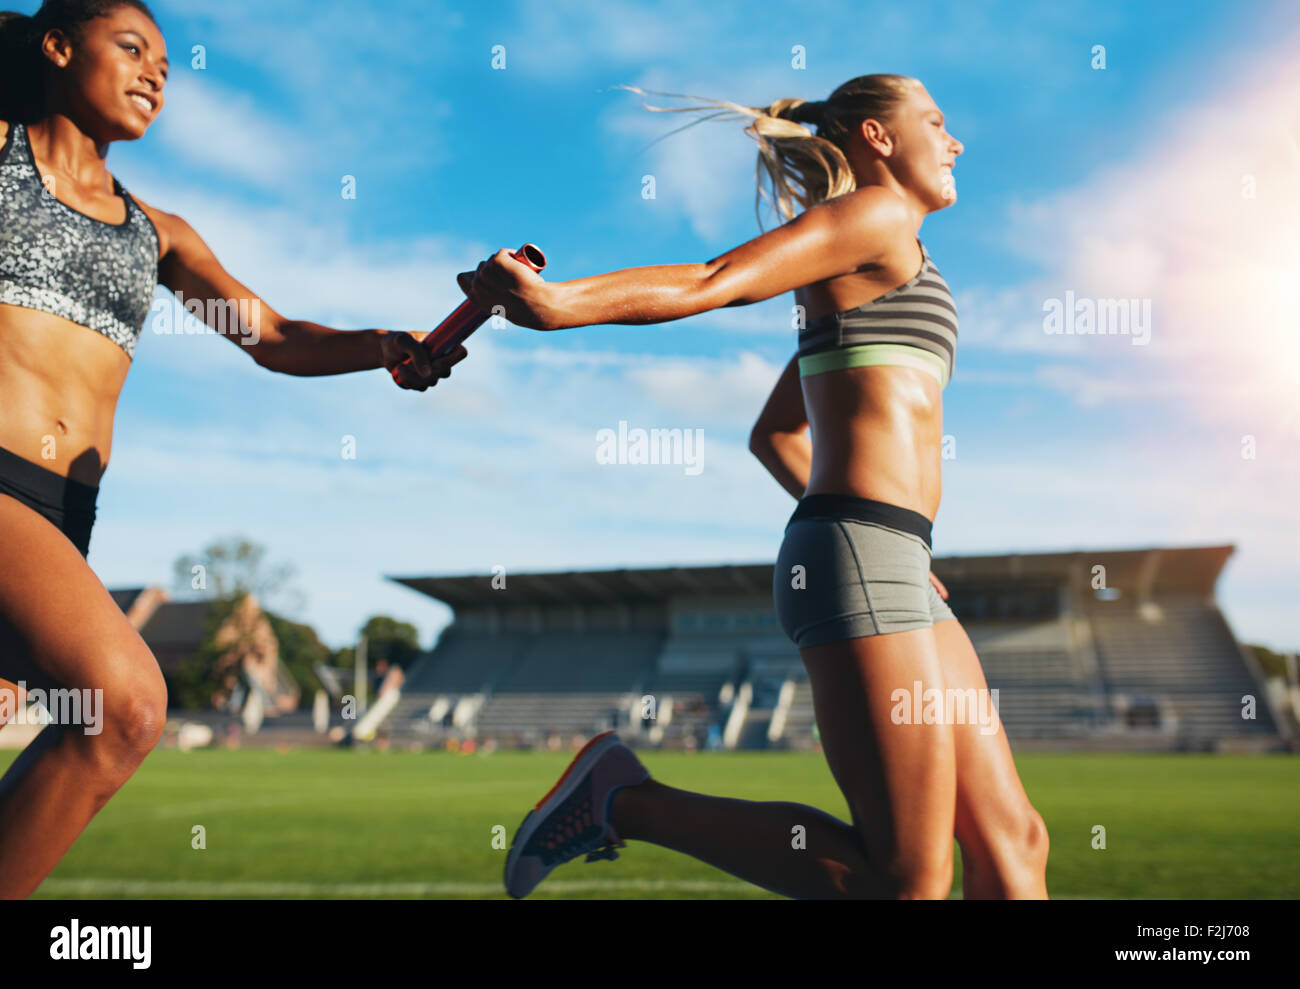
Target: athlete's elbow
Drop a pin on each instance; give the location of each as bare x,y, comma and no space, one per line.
269,344
270,357
711,287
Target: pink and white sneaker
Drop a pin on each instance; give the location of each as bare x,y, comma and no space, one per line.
573,818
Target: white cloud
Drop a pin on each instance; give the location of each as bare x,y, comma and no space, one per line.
493,465
326,68
699,173
229,131
564,36
709,389
704,173
1175,224
310,266
1010,320
498,465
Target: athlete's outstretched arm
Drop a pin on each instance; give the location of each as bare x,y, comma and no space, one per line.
833,238
189,268
779,438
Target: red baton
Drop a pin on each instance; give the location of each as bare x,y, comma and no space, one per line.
467,318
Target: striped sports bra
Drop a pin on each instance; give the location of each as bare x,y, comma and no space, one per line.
57,260
914,326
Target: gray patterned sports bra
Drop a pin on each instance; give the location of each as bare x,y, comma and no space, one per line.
57,260
915,325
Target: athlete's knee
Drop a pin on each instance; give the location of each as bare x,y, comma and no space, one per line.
131,712
1036,839
1016,849
1024,841
135,721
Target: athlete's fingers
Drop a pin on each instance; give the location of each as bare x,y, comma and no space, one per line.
943,591
406,348
507,268
503,272
405,377
455,357
476,288
466,282
494,281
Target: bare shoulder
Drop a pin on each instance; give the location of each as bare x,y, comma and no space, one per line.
869,223
4,131
872,208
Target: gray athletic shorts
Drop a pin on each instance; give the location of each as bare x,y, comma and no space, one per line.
852,567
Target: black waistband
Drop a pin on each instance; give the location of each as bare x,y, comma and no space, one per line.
23,477
841,506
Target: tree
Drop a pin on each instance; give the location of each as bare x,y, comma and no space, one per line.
231,567
1272,663
386,638
300,650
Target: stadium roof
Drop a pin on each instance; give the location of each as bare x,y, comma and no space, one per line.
639,586
1188,569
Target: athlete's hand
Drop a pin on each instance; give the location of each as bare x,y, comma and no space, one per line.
943,591
412,366
505,286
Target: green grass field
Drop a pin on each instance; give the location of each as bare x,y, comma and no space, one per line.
365,824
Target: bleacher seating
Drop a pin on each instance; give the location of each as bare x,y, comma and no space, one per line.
1182,655
1044,690
589,662
532,685
570,682
1144,658
466,663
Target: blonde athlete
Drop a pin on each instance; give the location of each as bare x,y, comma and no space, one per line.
851,580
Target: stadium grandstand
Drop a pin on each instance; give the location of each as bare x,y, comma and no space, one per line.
1123,649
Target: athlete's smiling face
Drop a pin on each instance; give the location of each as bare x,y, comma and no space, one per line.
920,151
112,77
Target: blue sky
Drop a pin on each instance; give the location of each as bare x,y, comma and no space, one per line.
1123,182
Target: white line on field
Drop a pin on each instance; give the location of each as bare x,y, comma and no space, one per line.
252,889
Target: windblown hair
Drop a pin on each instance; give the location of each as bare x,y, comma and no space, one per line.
803,168
23,69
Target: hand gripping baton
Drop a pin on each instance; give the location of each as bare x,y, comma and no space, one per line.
467,318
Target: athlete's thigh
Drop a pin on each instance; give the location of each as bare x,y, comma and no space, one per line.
991,802
58,624
896,771
16,666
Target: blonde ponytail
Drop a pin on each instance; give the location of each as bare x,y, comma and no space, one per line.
803,168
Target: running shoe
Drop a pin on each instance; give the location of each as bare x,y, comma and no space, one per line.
573,818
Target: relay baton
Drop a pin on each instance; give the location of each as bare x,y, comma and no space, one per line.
467,318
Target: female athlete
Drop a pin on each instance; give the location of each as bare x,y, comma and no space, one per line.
79,261
876,348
